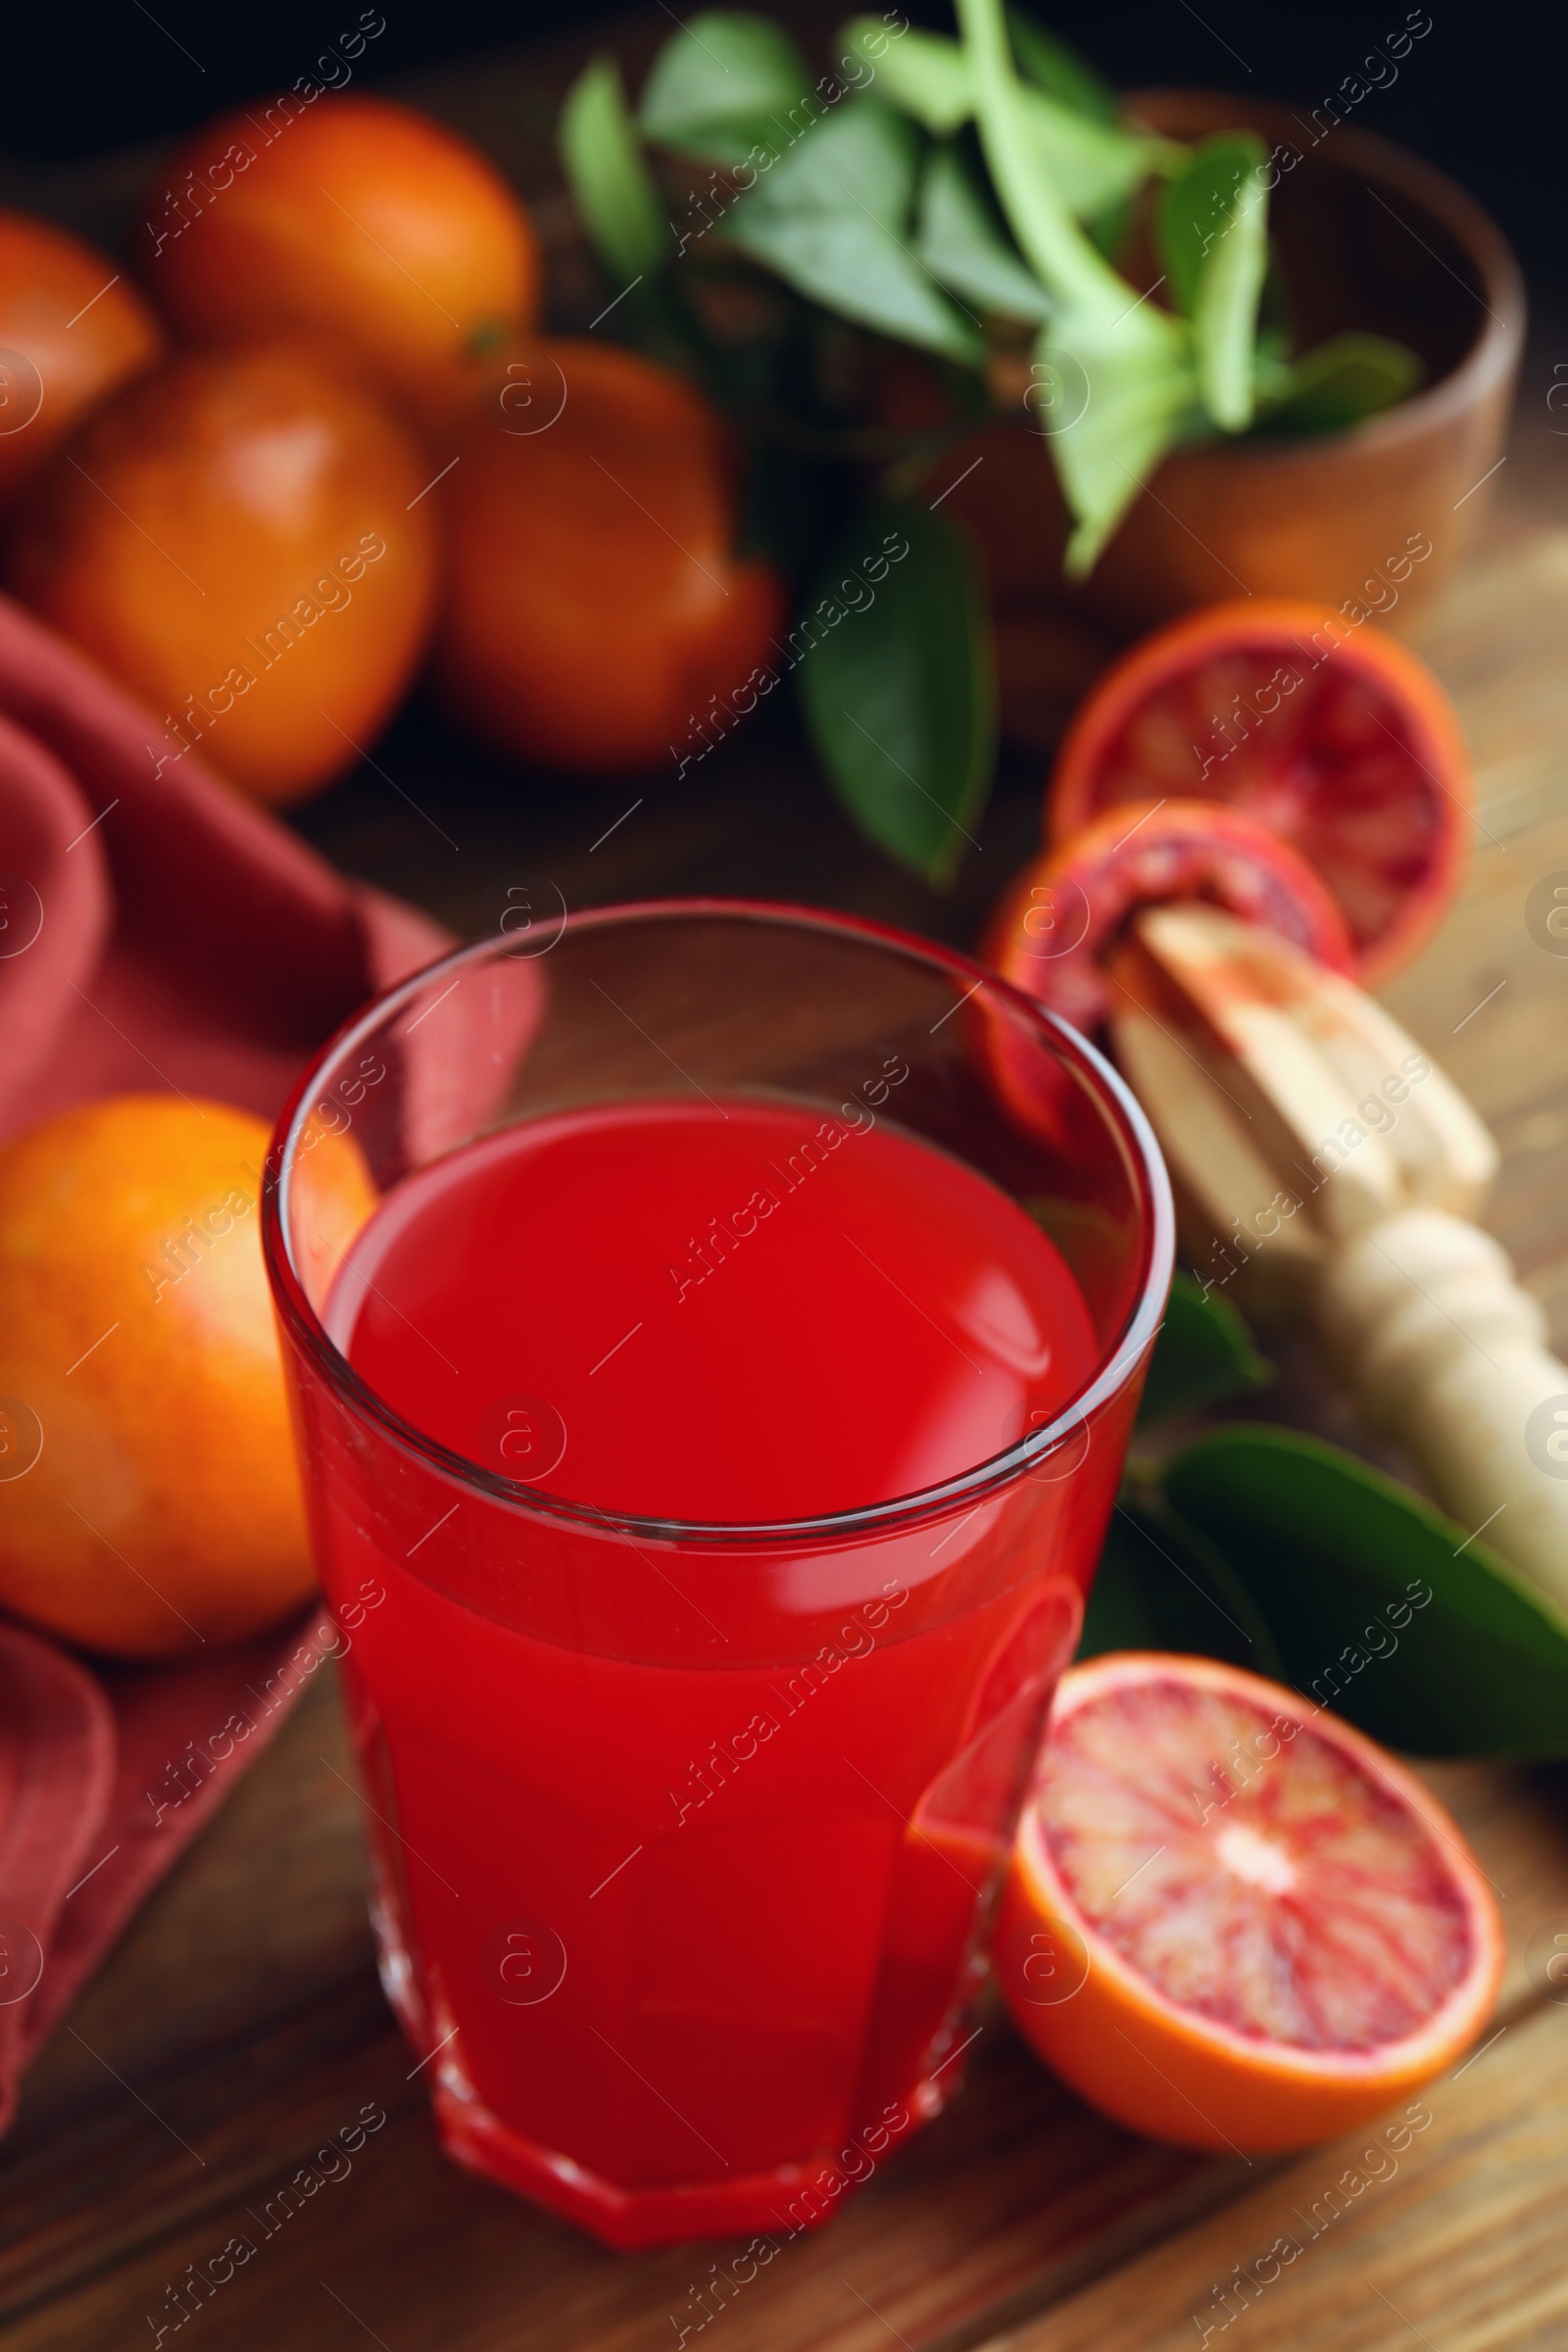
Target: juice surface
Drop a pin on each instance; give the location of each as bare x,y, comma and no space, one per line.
677,1936
731,1311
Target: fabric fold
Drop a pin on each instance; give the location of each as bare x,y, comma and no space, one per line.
156,931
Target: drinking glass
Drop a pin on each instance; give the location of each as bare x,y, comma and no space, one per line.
663,2021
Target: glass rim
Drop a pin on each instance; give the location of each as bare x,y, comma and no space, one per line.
975,1485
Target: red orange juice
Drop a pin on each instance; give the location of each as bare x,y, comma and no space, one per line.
693,1727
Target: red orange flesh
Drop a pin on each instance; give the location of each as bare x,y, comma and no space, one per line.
1233,1922
1331,733
1055,932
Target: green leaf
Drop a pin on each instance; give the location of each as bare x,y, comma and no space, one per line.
1027,189
834,218
1230,280
1092,165
1213,243
614,192
1108,230
899,696
1130,395
1195,207
961,239
1059,70
1204,1352
1380,1606
725,85
922,73
1350,377
1123,367
1162,1585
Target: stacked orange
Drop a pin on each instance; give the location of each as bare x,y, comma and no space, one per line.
248,531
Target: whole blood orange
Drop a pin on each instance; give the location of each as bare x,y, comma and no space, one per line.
240,538
1231,1920
346,217
72,328
149,1501
1327,731
596,618
1055,932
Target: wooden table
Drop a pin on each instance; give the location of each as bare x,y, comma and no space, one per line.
239,2025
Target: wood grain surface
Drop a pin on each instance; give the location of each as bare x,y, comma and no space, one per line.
239,2032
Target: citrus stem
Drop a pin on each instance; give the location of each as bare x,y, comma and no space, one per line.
1068,265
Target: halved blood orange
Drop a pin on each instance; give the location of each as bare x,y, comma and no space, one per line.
1058,926
1231,1920
1331,733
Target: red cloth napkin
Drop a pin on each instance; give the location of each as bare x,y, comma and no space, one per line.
155,931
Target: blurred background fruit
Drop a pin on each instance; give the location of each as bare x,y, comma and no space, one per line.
1318,726
241,538
72,327
150,1502
356,218
594,615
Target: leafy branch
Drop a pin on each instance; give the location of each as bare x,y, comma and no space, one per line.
965,197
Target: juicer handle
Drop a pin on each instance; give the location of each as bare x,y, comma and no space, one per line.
1423,1318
